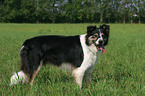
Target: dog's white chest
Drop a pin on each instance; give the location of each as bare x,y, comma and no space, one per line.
90,54
92,57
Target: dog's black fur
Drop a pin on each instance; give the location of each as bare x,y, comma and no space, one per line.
56,50
52,50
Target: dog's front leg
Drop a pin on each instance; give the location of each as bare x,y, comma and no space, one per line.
88,74
78,74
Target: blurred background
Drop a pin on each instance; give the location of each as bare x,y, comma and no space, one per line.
72,11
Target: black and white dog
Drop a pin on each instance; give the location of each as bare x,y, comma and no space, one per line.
78,53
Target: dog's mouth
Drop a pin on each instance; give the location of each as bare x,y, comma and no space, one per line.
101,48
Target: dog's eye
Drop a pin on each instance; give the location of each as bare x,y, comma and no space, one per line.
96,35
93,37
104,36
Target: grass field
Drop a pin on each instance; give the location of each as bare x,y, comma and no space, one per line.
119,72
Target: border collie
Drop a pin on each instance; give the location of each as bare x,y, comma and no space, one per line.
78,53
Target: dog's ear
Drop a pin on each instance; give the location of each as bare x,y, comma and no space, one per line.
105,28
90,29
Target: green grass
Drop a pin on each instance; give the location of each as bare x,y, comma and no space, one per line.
119,72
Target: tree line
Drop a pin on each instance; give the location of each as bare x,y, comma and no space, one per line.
72,11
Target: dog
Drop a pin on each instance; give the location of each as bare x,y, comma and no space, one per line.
77,53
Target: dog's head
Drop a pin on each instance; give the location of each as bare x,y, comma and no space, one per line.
98,36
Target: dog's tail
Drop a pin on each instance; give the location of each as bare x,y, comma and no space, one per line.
18,77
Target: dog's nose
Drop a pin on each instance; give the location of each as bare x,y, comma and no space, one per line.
100,41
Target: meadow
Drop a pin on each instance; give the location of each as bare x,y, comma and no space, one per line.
119,72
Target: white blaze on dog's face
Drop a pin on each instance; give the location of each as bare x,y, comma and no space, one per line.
99,38
99,43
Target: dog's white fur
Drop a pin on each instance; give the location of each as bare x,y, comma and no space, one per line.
91,55
20,77
90,59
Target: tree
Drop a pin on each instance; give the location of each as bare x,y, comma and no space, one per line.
101,9
141,9
132,9
123,9
72,11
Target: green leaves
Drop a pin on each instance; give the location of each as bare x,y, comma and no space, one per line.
72,11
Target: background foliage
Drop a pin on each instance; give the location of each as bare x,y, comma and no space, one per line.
72,11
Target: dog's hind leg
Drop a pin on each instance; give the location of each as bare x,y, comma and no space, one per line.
30,63
34,74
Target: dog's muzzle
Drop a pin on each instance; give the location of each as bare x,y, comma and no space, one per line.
101,48
100,45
